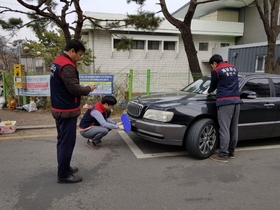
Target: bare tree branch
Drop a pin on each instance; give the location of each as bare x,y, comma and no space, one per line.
6,9
167,14
80,19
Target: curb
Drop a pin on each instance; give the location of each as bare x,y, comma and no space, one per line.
49,126
35,127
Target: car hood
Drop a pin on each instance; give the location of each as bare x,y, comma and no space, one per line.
171,99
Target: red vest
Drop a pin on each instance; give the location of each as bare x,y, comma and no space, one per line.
61,99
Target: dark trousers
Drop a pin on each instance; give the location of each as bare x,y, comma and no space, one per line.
228,121
66,140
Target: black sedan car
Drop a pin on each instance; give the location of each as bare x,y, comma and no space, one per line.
189,117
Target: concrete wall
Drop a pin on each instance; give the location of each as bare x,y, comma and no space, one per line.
108,59
222,15
253,26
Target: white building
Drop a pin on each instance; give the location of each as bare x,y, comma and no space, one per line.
162,51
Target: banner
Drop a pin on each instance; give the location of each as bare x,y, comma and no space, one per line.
103,83
35,86
40,85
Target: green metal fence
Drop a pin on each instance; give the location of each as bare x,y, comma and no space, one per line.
128,84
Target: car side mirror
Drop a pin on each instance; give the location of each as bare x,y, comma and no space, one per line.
248,94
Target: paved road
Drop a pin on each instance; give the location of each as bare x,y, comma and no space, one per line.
116,179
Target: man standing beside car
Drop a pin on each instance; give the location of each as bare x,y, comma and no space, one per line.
66,93
224,78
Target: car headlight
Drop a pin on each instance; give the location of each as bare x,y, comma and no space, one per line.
158,115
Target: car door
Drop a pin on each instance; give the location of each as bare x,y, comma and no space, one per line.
258,115
276,83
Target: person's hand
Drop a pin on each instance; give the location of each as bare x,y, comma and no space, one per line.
119,123
92,87
121,127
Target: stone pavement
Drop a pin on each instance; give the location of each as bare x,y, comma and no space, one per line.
28,120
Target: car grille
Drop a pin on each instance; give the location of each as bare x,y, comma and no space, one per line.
134,109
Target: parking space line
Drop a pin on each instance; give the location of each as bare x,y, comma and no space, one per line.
258,148
139,154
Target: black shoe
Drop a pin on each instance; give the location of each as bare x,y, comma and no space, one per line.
231,156
74,169
70,179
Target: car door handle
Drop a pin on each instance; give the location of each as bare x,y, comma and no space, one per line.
269,105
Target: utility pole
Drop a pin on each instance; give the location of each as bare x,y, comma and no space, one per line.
19,43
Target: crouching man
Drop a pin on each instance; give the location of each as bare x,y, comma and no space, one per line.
96,123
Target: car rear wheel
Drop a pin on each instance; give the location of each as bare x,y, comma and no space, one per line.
202,138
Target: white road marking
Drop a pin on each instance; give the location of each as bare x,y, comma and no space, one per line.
258,148
139,154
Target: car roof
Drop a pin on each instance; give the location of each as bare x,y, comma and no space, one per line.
246,74
257,74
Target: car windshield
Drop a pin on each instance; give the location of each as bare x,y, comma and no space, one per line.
200,86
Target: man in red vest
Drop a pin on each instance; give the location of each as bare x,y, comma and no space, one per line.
66,93
224,79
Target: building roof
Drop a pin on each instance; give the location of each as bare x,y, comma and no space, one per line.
204,9
203,27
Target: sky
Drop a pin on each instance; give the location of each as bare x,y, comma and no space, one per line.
105,6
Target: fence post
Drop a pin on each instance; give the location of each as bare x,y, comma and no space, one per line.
148,82
4,85
130,84
25,100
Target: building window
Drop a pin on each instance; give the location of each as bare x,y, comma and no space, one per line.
169,46
260,62
116,41
224,44
203,46
153,45
138,44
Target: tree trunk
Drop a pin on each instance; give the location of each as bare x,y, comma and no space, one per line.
185,30
66,33
269,62
191,52
269,14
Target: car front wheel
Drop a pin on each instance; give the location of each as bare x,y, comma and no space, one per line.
202,138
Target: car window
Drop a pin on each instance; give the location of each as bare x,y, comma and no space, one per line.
260,86
276,83
199,86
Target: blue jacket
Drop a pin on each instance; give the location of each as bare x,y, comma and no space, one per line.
224,78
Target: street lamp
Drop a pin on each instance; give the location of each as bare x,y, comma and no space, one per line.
19,43
26,49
